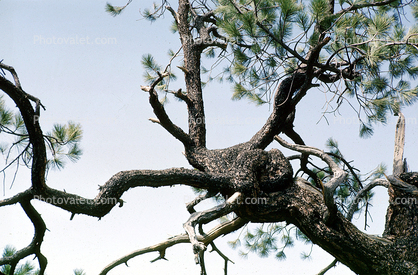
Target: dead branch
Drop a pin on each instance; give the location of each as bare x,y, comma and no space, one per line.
223,256
190,206
338,176
328,267
399,146
362,193
207,216
113,189
222,229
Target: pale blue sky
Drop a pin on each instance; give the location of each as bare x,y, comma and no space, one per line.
98,85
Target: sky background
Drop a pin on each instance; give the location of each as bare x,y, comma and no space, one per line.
98,85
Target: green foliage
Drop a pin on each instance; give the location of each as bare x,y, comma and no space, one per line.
258,34
318,8
414,8
270,238
63,143
113,10
79,272
267,39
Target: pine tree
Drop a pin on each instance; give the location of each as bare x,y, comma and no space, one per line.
363,53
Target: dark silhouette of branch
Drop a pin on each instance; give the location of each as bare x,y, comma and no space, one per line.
34,248
161,114
362,193
36,138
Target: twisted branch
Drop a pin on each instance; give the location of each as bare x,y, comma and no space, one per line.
207,216
34,248
329,187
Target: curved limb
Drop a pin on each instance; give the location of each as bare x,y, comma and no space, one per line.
113,189
31,120
161,114
362,193
292,134
34,248
19,86
221,229
207,216
338,176
351,168
402,185
190,206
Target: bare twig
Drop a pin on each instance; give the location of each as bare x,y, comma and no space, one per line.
222,229
19,86
328,267
190,206
223,256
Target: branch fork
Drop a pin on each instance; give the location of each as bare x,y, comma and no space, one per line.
339,176
203,217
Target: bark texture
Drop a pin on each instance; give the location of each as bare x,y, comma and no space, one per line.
243,171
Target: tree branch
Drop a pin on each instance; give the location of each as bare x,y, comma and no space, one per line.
192,60
283,111
328,267
190,206
223,256
36,138
160,112
338,176
362,193
34,248
399,146
113,189
355,7
291,133
207,216
222,229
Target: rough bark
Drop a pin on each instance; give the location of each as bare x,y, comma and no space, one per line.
245,169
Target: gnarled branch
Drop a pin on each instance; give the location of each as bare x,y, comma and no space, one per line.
338,176
207,216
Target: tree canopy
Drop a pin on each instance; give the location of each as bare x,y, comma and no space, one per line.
358,53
